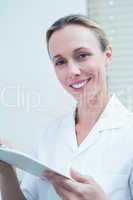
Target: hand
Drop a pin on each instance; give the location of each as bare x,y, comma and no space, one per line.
80,188
4,167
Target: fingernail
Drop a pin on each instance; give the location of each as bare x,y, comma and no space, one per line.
44,176
44,173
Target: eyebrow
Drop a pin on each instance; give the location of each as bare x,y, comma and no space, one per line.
80,48
57,56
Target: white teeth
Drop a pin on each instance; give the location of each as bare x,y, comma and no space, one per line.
79,85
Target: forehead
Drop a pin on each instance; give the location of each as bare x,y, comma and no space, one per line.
71,37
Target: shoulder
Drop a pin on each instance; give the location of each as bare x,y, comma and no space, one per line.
120,111
128,119
53,137
59,124
126,130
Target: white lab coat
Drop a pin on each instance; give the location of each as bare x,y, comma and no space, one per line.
106,154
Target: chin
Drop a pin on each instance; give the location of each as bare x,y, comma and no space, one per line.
76,97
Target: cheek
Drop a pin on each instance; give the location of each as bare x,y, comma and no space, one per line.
61,76
99,74
101,78
92,69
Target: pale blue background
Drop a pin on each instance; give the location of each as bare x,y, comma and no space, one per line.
25,70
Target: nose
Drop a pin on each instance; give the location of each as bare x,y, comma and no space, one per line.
74,68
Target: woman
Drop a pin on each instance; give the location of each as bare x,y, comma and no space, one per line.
96,142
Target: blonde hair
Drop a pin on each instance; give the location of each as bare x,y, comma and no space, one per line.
82,21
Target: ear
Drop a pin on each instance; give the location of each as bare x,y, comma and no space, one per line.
108,53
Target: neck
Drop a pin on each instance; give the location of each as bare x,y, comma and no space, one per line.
92,107
88,114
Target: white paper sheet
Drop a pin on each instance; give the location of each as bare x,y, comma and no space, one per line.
24,162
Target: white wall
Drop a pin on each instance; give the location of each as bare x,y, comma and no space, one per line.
29,92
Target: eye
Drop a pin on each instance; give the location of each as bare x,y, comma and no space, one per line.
83,56
60,62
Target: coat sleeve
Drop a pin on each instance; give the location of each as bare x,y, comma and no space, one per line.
131,183
29,182
29,187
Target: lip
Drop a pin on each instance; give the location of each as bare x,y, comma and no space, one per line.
79,82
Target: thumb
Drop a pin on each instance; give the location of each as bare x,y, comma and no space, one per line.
79,177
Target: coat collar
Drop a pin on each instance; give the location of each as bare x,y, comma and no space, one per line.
113,115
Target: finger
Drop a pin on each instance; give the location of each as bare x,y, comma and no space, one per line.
81,178
5,143
1,141
63,193
66,188
53,176
60,181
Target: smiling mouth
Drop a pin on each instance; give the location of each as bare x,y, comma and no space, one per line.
80,84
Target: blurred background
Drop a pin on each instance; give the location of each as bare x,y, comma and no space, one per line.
30,95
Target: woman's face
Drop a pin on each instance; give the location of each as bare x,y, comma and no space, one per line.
78,60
